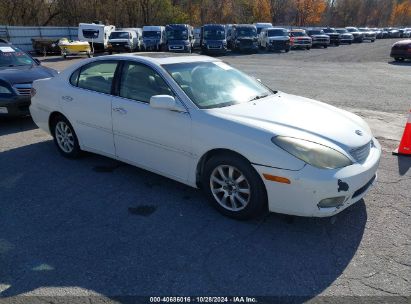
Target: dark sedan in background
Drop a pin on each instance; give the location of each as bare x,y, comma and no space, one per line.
18,70
401,50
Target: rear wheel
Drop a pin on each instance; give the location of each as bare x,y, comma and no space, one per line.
325,46
399,59
234,187
65,138
308,48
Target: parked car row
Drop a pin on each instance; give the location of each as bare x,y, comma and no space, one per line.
219,38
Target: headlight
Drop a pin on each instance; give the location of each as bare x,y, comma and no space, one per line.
5,90
312,153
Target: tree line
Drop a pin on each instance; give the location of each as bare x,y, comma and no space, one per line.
133,13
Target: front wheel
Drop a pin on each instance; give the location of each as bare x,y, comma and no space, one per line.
234,187
65,138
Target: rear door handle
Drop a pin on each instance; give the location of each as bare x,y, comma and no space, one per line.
120,110
67,98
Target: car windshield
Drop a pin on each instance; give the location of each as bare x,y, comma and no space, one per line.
342,31
216,84
315,32
10,57
246,32
177,34
151,34
329,31
119,35
298,34
352,30
273,33
214,34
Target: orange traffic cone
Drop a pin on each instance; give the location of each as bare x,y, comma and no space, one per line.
405,144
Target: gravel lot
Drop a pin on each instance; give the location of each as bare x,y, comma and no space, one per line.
97,227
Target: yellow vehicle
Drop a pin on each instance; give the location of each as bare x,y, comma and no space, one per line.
74,48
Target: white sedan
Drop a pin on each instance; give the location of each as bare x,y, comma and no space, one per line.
199,121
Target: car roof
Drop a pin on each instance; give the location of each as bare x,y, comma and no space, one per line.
164,58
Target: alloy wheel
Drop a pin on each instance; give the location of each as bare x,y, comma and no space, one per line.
230,187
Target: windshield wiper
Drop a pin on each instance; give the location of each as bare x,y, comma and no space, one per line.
259,97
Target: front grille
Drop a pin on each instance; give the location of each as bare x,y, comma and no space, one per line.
279,43
23,89
214,46
360,154
364,188
246,43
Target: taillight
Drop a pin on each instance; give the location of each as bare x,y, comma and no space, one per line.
33,92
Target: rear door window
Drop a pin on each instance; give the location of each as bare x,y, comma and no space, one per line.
140,82
97,76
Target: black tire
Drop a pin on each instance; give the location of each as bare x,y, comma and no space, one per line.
308,48
110,52
76,151
399,59
325,46
337,44
287,50
258,198
350,43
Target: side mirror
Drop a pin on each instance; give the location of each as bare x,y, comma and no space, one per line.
166,102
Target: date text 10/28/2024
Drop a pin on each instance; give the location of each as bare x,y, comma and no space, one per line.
203,300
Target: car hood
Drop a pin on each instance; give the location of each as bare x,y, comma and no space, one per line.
299,117
25,74
213,41
320,36
151,40
178,42
247,38
279,38
118,40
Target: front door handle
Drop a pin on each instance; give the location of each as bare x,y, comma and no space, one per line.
120,110
67,98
